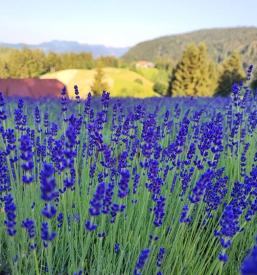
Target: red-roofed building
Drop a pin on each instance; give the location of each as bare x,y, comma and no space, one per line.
31,87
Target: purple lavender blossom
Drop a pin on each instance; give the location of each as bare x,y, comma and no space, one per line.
27,157
249,264
96,203
10,211
47,183
144,254
46,235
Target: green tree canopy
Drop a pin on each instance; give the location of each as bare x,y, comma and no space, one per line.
160,88
107,61
33,63
195,74
231,71
164,63
26,63
53,62
99,85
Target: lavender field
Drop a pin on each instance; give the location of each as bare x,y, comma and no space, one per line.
127,186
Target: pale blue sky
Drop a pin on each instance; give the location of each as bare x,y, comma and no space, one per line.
117,22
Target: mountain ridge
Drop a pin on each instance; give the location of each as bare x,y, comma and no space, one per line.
220,42
63,46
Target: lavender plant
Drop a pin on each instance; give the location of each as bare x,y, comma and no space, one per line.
128,186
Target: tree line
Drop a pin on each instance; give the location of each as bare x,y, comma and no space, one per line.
196,74
33,63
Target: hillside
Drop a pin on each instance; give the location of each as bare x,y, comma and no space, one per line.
220,43
154,74
121,81
60,46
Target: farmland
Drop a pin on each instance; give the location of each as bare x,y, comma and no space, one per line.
122,82
128,186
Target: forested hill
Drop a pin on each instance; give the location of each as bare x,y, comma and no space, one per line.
220,43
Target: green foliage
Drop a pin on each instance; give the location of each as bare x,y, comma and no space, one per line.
53,61
160,88
220,43
99,85
107,61
195,74
149,73
164,63
76,61
23,63
155,75
123,64
231,71
33,63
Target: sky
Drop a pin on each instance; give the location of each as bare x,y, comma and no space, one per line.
118,23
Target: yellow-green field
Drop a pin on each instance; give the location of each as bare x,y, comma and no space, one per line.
121,82
154,74
148,73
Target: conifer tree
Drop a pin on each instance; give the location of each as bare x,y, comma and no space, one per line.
231,71
99,85
195,74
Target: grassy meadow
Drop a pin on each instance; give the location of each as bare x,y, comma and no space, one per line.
153,74
122,82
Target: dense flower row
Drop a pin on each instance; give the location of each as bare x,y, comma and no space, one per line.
110,186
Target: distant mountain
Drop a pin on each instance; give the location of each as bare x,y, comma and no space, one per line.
70,46
220,43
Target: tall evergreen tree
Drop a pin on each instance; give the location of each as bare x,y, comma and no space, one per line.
195,74
99,85
231,71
